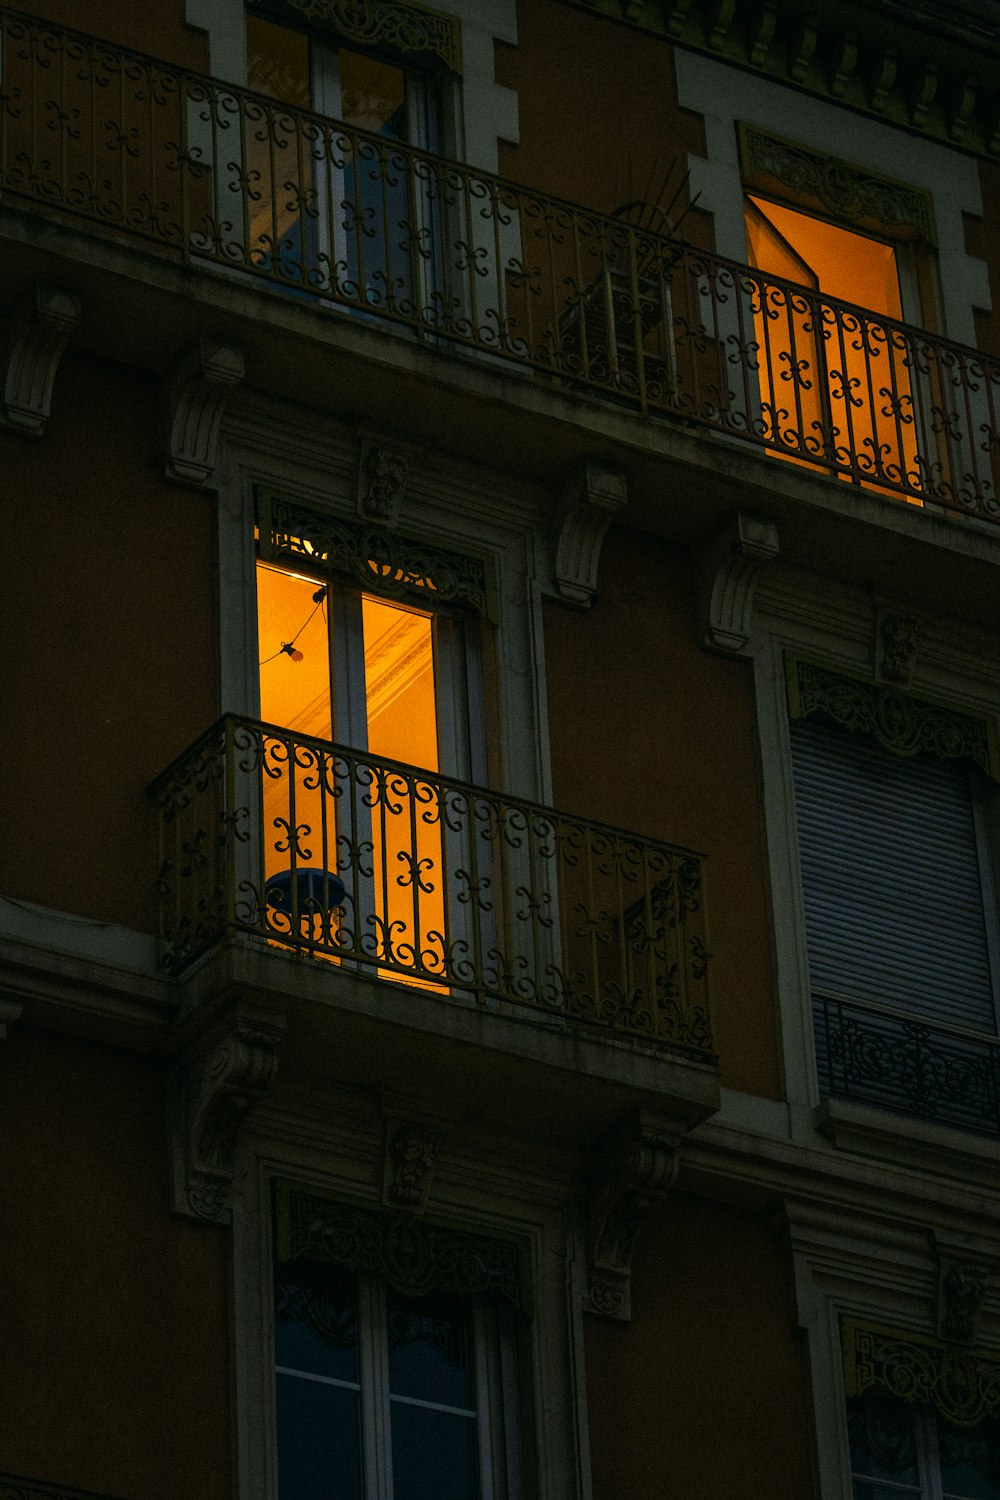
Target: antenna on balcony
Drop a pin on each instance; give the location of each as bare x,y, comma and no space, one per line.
655,207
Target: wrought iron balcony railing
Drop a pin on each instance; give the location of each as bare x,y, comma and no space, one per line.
381,868
872,1054
214,174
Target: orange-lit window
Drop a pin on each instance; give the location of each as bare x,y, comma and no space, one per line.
386,679
834,384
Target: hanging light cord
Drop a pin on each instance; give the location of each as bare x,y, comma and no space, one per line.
281,651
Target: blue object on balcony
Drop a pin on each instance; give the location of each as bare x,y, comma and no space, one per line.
317,890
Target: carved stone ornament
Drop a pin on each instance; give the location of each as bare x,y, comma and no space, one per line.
590,501
411,1153
726,579
635,1169
897,636
409,28
962,1384
900,723
194,395
962,1287
217,1083
37,331
371,555
382,471
10,1011
407,1252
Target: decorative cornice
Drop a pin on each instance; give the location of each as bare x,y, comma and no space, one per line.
194,394
16,1487
726,579
408,1253
963,1385
38,330
921,66
637,1167
781,168
590,500
217,1082
371,555
415,30
900,723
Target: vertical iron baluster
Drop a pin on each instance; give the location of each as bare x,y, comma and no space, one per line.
417,875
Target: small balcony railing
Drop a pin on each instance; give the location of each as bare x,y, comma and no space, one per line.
223,177
873,1054
379,868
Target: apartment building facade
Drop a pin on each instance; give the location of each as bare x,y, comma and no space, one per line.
499,997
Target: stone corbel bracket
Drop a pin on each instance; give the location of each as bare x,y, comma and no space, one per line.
10,1011
634,1170
589,503
195,389
384,466
219,1079
32,345
726,580
964,1273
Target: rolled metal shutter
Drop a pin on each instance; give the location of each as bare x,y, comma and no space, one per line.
891,878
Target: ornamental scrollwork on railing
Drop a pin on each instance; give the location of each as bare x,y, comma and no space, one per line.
963,1385
902,724
838,187
370,555
411,1255
409,28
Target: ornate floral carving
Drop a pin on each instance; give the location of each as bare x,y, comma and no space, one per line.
223,1076
964,1386
381,482
410,28
411,1155
37,332
374,557
410,1254
901,724
896,642
727,578
634,1169
589,502
961,1289
194,396
836,186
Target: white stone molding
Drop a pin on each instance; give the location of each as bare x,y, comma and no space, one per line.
220,1077
10,1011
634,1169
726,580
194,395
589,503
37,332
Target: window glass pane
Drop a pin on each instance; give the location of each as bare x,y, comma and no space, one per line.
434,1455
970,1461
399,681
373,95
319,1441
316,1320
430,1349
278,61
294,694
883,1445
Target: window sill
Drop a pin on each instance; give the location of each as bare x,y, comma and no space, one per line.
884,1136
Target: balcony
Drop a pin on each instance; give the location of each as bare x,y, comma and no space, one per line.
222,179
370,867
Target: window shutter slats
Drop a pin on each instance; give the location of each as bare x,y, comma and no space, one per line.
891,878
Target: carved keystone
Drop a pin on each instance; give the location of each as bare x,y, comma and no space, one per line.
10,1011
223,1075
383,469
963,1276
636,1168
589,501
727,578
39,329
194,394
414,1128
897,636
